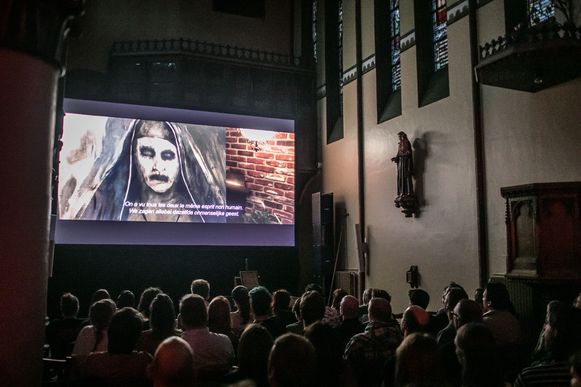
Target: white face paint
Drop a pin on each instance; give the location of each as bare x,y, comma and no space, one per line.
157,162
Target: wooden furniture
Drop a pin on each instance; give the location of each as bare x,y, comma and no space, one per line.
543,228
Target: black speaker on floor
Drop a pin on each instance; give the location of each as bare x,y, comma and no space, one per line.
323,216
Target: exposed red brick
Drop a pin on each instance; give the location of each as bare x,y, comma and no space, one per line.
285,187
231,163
245,153
265,169
290,195
278,164
263,182
236,170
246,165
290,180
234,133
255,174
281,135
264,155
230,151
290,165
254,186
275,177
238,146
274,191
237,158
287,221
283,214
282,157
271,204
254,160
291,136
285,143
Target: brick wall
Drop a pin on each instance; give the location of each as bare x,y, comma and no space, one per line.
269,172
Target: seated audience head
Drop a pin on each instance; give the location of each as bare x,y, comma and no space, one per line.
260,299
477,354
562,334
193,313
418,362
349,308
297,309
496,297
478,296
201,287
126,298
292,362
101,294
454,295
576,369
101,313
338,295
366,296
162,315
281,300
145,300
253,350
577,302
173,364
329,353
69,305
419,297
124,330
466,311
242,300
380,293
312,307
414,320
379,310
315,287
219,315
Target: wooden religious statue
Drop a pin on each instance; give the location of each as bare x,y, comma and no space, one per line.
406,198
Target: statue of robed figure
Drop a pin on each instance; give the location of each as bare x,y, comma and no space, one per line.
406,198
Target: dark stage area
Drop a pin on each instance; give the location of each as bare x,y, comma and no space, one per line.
84,269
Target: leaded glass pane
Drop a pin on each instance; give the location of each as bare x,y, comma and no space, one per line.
439,34
394,38
540,11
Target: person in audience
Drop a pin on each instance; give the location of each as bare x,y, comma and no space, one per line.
334,317
219,319
478,355
350,324
62,333
100,294
418,362
253,350
144,303
500,319
312,308
338,295
242,316
201,287
94,338
466,311
260,299
292,362
453,296
363,307
213,352
126,298
368,352
329,354
414,320
540,354
562,338
419,297
120,364
330,315
576,369
172,365
440,319
162,319
479,297
281,306
297,327
377,293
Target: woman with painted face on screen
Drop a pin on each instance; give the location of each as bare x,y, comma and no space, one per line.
163,172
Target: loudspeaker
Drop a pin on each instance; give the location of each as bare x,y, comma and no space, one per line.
323,220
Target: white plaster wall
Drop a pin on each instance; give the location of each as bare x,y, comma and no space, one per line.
107,21
529,138
340,174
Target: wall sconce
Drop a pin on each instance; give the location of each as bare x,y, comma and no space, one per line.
257,137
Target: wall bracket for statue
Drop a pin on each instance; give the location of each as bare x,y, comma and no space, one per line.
406,198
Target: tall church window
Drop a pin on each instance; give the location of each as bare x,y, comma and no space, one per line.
440,34
394,37
334,68
540,11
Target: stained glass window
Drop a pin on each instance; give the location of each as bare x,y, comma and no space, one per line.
394,39
340,50
540,11
440,34
314,30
